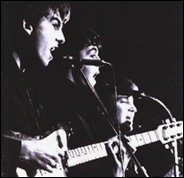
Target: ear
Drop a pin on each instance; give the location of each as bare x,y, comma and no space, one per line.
27,27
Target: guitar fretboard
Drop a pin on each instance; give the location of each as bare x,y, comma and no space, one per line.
96,151
87,153
144,138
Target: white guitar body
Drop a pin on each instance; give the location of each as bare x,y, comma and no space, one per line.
49,140
57,172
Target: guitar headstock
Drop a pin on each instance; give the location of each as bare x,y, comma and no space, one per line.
170,132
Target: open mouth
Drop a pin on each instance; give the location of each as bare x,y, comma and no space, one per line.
95,76
52,49
128,122
129,119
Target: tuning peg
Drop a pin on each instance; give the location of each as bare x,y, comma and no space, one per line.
167,121
172,151
180,142
174,144
163,121
174,119
167,146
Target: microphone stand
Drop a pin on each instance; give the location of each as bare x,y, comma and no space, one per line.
174,143
109,120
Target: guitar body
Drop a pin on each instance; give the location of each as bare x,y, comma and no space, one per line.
49,140
57,172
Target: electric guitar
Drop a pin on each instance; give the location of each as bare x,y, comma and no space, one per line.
165,133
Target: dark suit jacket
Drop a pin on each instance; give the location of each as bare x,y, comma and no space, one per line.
20,112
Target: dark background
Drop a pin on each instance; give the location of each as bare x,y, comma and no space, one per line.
143,40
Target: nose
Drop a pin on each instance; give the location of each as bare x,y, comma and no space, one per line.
98,70
133,108
60,37
98,57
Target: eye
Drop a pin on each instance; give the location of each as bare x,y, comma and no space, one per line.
124,100
93,56
56,26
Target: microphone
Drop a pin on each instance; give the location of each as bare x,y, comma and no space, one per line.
89,62
141,95
92,62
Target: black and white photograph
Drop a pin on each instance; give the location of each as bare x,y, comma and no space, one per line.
91,88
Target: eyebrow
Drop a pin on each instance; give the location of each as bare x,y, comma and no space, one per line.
55,18
92,50
122,97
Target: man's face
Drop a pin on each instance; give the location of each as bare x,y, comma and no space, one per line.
126,111
91,72
48,35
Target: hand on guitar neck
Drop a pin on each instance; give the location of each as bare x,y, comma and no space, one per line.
122,159
44,154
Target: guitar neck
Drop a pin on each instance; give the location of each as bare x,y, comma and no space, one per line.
87,153
144,138
164,133
96,151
